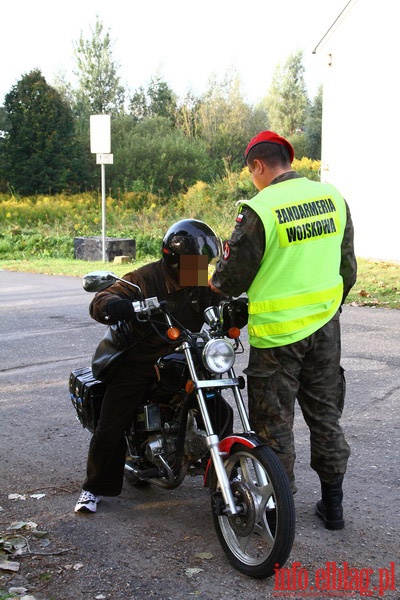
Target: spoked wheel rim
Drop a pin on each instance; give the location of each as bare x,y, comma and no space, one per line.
253,544
261,536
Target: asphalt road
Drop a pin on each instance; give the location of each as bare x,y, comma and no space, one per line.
144,543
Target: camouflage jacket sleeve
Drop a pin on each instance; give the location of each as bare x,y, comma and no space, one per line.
242,255
348,263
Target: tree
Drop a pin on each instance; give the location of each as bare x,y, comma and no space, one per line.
157,101
40,153
226,122
4,126
99,89
287,101
162,99
155,156
138,105
313,127
3,121
187,115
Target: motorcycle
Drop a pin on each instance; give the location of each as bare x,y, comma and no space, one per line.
185,428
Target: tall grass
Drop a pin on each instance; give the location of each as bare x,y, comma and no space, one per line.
45,226
37,233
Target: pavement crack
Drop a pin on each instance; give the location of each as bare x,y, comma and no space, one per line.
44,362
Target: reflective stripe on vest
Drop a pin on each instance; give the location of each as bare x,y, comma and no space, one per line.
331,298
294,301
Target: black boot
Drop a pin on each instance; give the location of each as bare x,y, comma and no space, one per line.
329,508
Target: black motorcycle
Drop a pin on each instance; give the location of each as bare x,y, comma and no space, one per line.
185,427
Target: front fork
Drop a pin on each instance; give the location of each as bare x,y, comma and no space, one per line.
212,439
216,457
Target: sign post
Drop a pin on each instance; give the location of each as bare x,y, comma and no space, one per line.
100,144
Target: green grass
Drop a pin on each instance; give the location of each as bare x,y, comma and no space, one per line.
378,282
68,266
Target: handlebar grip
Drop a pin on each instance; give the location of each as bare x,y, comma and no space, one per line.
146,306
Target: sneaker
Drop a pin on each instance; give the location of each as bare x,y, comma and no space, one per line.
87,502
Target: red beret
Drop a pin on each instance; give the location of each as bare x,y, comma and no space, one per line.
272,138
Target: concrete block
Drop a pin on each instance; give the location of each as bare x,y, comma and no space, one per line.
91,248
119,260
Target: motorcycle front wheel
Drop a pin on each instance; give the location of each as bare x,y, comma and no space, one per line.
258,540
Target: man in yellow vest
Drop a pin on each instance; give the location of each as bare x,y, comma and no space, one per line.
292,252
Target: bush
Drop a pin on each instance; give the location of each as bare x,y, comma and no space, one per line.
45,226
36,245
308,168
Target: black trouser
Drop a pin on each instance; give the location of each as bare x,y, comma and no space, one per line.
107,449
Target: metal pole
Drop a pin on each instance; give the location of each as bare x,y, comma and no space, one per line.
103,210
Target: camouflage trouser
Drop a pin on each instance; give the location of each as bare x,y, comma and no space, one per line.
310,371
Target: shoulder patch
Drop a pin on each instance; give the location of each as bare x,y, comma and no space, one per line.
239,218
226,251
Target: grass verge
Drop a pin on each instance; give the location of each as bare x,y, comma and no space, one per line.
378,282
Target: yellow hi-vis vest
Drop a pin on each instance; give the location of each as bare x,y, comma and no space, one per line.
298,287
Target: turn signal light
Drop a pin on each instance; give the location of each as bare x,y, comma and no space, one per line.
189,386
173,333
234,332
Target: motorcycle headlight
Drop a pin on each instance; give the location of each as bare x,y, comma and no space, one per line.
218,356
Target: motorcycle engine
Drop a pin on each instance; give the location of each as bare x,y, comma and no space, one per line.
195,444
157,445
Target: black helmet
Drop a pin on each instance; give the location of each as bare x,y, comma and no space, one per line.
190,236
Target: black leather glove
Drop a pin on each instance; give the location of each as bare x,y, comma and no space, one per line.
120,310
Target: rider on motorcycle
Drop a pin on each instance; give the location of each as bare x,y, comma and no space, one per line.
179,278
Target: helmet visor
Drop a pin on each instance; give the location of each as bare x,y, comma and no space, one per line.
197,245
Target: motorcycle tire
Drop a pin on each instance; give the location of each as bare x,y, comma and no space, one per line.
258,540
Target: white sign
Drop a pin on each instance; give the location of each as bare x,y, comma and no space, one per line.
104,159
100,134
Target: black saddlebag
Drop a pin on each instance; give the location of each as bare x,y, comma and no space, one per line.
86,395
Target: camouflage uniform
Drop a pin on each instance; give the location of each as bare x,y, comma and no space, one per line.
308,370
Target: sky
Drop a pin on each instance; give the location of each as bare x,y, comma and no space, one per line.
185,43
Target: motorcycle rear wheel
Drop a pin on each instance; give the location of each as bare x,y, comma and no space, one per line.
259,539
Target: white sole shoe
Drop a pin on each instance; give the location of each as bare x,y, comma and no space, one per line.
87,502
